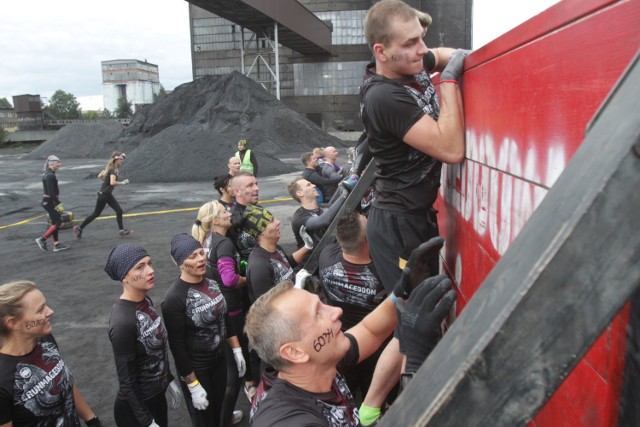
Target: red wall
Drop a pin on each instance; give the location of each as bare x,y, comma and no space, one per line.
529,96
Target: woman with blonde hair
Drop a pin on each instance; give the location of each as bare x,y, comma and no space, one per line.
210,230
36,386
109,177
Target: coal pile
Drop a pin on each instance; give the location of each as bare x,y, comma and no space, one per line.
190,134
81,141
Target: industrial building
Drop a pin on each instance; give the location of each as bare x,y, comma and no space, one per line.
135,81
280,44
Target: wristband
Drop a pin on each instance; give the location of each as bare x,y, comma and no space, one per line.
195,383
448,81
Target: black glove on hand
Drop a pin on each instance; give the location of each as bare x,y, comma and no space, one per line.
419,261
94,422
455,66
420,318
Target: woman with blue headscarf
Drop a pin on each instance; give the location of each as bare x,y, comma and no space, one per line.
138,337
195,313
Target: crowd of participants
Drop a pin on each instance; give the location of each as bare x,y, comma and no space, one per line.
240,319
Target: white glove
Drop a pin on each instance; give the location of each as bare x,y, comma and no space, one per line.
125,182
198,396
308,241
175,395
242,365
153,424
301,278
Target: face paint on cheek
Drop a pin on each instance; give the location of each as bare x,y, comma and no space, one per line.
136,278
399,58
322,340
35,323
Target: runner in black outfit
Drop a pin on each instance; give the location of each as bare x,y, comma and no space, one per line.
36,387
195,313
109,177
51,204
138,338
210,229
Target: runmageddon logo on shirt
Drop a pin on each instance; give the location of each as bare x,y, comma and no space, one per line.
45,381
151,329
208,305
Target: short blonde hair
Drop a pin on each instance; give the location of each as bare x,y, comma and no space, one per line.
377,23
268,328
424,18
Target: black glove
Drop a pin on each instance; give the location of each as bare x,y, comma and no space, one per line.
420,318
455,66
419,261
94,422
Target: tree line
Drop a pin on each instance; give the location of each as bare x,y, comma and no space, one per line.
64,106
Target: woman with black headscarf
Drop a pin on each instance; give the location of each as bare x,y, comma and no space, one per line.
138,337
195,313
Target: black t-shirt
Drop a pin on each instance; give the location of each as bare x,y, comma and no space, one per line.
279,403
356,288
300,217
106,186
139,341
196,319
36,389
266,269
217,247
407,180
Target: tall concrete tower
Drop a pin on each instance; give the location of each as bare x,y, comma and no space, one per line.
135,81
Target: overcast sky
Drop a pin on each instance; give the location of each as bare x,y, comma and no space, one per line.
49,45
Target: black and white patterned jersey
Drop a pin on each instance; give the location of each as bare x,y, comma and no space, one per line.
267,269
356,288
196,319
36,389
139,341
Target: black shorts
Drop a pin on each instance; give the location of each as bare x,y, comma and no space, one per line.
393,235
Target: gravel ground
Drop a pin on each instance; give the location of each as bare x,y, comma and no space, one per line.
73,281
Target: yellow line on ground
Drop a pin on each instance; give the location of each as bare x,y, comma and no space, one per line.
129,215
26,221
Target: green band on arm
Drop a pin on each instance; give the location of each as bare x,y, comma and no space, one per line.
368,415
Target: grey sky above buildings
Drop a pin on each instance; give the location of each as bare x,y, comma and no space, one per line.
48,45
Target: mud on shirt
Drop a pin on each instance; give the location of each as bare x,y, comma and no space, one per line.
279,403
36,389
